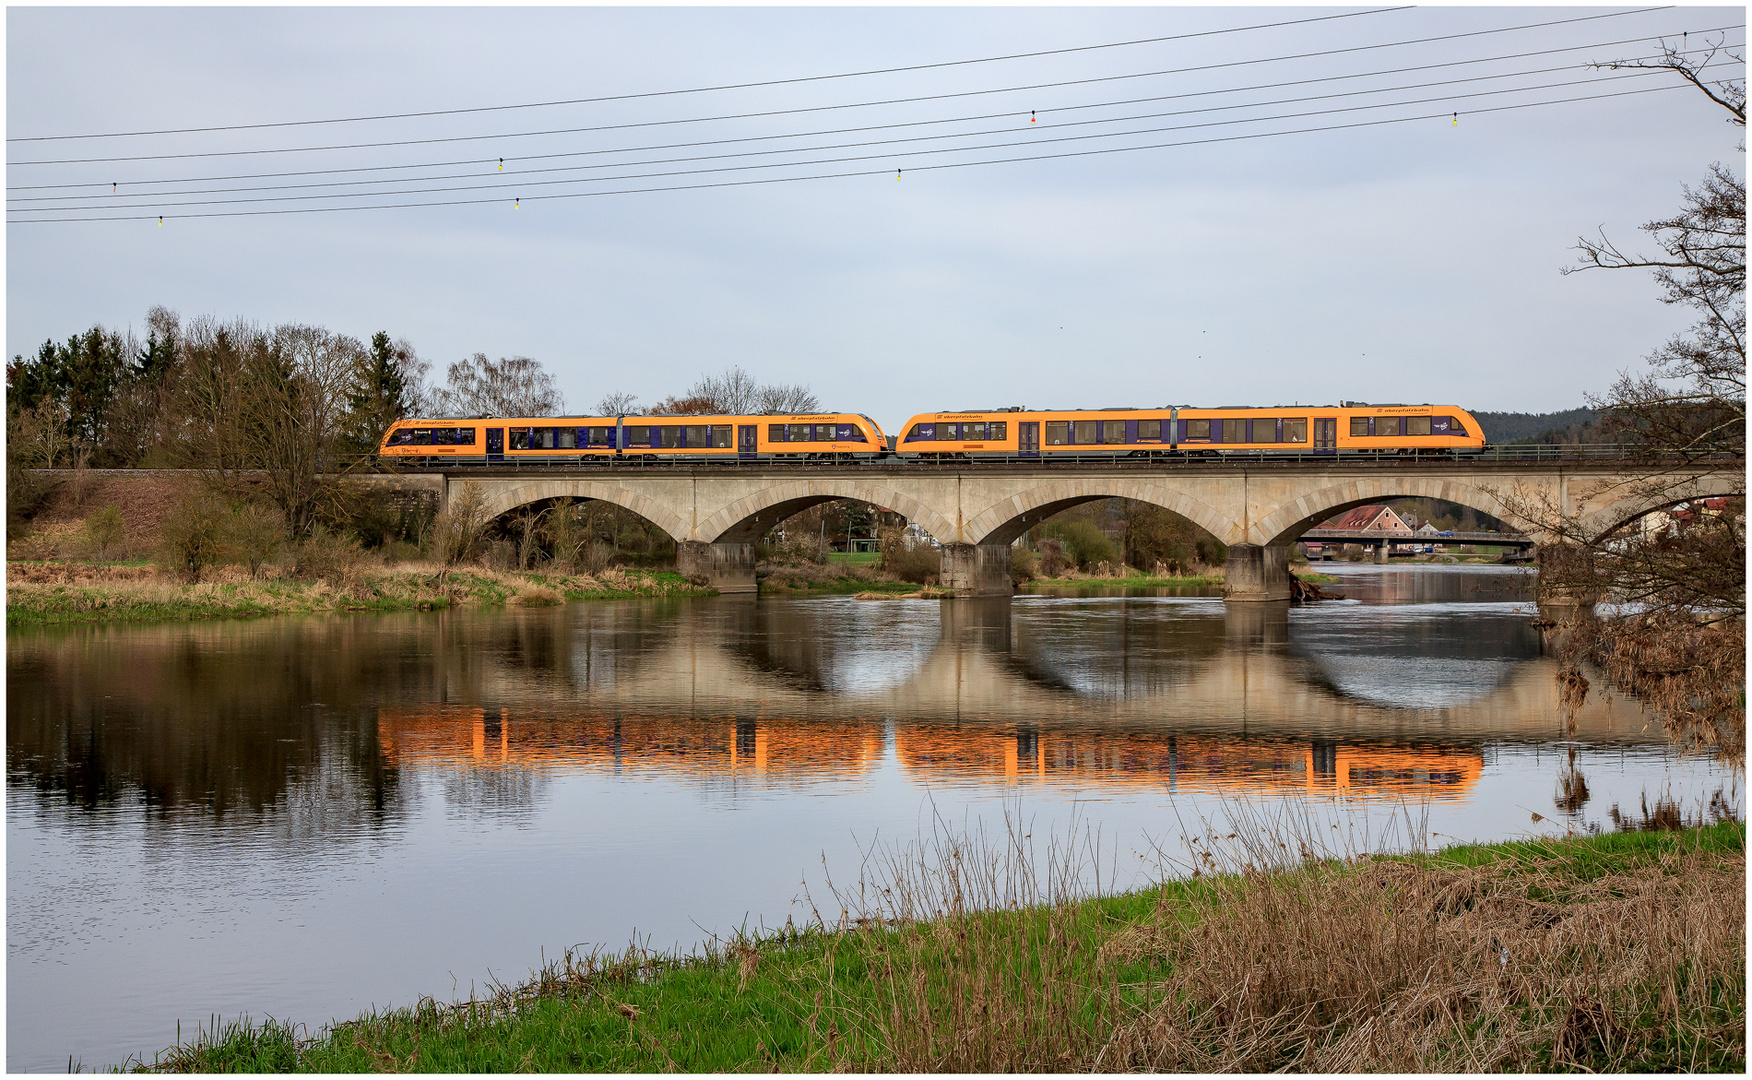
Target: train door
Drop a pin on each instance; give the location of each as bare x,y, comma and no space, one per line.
746,441
495,445
1028,439
1325,434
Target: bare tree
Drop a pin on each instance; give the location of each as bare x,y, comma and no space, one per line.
787,398
737,393
513,386
617,403
297,383
1681,646
1682,60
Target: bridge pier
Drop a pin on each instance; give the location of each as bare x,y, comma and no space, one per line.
977,569
1256,573
1383,551
729,568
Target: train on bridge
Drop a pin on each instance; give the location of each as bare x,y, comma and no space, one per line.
1001,435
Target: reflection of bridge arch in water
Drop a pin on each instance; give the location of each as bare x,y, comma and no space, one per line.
709,700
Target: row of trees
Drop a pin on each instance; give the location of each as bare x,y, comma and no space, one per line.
291,406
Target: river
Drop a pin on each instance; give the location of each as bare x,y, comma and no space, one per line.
306,818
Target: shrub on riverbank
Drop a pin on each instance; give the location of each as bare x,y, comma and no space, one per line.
1619,952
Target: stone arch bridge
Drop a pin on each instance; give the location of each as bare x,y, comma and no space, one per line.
716,513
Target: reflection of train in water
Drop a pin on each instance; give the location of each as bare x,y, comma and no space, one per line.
467,736
1162,433
1194,762
813,751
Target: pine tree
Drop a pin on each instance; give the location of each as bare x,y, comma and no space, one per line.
380,394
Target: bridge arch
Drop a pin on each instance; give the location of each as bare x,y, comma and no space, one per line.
1639,501
747,519
504,496
1285,523
1004,521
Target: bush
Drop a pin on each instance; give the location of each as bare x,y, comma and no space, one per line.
1084,542
1024,566
253,535
327,556
104,528
1052,558
457,531
193,535
920,565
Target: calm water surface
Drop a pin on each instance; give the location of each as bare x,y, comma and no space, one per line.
305,818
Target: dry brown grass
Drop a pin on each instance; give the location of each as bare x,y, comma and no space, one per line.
1527,962
1402,968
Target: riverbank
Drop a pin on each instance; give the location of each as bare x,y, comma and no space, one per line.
1622,952
39,593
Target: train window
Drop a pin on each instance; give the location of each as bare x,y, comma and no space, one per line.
1455,427
541,438
998,431
850,433
1234,431
565,438
519,438
670,436
721,437
776,432
698,436
1387,425
601,436
1149,429
442,436
465,436
924,432
1265,429
802,433
1057,432
1417,425
1198,429
639,436
973,431
1359,426
1296,430
1083,432
401,437
1113,431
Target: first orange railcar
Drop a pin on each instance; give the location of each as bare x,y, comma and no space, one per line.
603,439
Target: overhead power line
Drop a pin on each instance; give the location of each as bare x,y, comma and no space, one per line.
727,86
521,181
134,182
116,159
766,139
1443,115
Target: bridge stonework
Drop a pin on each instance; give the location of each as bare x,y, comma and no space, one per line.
717,513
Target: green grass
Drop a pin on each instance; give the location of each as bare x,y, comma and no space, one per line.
854,558
31,604
819,1000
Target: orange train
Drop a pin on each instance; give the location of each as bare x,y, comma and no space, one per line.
1178,432
1296,429
603,439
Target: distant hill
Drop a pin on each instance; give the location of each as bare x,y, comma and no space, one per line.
1551,427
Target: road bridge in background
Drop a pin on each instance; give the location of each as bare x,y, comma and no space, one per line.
717,513
1382,540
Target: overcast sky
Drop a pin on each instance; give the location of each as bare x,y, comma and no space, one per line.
1407,261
